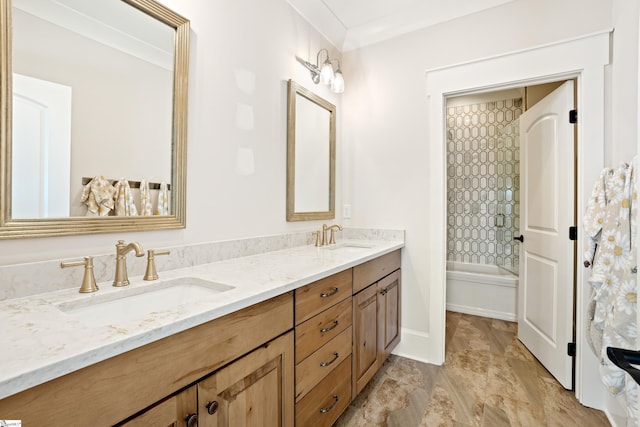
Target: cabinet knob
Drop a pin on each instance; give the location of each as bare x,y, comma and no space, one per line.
192,420
212,407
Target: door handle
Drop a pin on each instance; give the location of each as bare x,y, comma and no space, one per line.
520,237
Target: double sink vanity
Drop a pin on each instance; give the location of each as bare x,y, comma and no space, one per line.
279,334
286,337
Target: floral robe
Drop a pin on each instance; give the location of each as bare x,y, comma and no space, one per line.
610,222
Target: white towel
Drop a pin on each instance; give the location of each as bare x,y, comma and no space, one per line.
145,199
97,195
163,200
125,205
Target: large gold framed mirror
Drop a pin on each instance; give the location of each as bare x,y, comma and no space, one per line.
91,91
311,155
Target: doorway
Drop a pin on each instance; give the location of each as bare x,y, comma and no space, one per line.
489,171
583,59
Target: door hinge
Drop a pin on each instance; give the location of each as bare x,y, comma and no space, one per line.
573,233
571,349
573,116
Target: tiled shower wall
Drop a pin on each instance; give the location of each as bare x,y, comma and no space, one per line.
483,183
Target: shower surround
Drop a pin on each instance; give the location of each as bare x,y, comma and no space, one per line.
483,183
483,195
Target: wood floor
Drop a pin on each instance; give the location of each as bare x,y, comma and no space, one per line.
489,379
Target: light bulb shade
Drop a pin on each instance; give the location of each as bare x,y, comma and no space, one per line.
326,73
337,85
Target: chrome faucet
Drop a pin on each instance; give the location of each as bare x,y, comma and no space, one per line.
122,250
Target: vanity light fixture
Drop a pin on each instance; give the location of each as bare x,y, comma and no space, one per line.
325,73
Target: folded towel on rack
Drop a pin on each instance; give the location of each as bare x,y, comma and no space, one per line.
145,199
163,200
97,195
125,205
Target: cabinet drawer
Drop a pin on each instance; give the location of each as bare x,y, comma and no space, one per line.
374,270
322,362
320,329
324,404
320,295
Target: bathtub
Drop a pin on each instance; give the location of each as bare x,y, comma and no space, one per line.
482,290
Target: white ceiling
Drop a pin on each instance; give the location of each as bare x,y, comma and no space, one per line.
350,24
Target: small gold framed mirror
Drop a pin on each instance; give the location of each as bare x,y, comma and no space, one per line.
311,155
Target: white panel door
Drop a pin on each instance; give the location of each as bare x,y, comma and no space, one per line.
41,152
545,294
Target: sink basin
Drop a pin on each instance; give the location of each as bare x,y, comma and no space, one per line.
348,247
138,302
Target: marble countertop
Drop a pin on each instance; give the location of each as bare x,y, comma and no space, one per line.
40,342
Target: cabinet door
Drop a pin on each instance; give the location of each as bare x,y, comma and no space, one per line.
389,313
365,340
177,411
256,390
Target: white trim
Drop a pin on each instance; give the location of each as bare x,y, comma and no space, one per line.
518,51
583,58
413,342
482,312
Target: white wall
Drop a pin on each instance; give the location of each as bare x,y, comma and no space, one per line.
387,137
242,54
623,92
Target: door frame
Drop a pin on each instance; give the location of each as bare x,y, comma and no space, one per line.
583,58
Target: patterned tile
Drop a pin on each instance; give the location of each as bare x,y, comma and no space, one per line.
483,145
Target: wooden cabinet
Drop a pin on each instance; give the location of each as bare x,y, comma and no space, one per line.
254,391
324,335
111,391
176,411
324,404
389,313
365,341
376,316
299,358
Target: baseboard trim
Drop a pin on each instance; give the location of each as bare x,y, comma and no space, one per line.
510,317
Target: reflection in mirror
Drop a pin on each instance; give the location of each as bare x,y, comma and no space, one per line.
310,156
98,90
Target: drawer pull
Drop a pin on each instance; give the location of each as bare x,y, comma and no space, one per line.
330,294
335,357
329,328
335,402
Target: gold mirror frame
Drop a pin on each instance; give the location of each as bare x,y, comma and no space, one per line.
43,227
295,90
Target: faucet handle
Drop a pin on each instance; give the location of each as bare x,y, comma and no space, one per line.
333,228
152,273
316,234
89,279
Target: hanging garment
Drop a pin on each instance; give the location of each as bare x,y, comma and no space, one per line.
125,205
610,223
163,200
97,195
145,199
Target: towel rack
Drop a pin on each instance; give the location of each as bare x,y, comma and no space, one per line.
132,184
